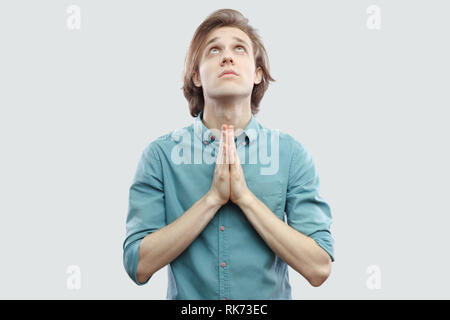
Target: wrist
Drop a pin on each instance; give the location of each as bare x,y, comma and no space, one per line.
212,200
245,199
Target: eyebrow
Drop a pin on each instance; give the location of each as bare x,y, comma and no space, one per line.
235,38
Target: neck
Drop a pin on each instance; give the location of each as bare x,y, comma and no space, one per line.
217,114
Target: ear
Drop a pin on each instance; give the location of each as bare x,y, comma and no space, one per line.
196,79
258,75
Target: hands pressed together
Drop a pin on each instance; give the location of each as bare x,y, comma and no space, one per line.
229,180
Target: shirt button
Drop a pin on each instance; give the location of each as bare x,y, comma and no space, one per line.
222,228
213,138
244,143
223,264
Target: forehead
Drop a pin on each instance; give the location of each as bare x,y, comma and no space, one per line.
227,34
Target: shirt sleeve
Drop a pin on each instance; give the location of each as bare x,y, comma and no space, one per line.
146,209
306,211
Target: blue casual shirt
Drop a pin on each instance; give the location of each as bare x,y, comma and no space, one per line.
228,259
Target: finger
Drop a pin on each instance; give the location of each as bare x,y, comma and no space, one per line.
225,149
233,165
227,143
220,155
231,145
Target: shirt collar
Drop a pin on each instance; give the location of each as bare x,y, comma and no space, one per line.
204,134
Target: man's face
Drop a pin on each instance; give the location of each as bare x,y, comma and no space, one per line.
230,49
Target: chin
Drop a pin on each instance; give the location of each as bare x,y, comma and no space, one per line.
227,93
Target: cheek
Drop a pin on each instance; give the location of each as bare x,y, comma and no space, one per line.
249,74
204,74
206,69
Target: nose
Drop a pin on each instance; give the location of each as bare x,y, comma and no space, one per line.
227,58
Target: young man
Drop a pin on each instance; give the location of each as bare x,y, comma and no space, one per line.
219,225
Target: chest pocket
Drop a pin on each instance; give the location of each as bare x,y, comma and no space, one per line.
270,193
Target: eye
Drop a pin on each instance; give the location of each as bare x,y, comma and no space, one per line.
214,48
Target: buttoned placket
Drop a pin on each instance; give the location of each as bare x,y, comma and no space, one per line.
223,254
223,230
209,140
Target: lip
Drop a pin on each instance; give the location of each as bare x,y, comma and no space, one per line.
228,73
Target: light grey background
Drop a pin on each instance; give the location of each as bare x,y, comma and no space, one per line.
77,107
